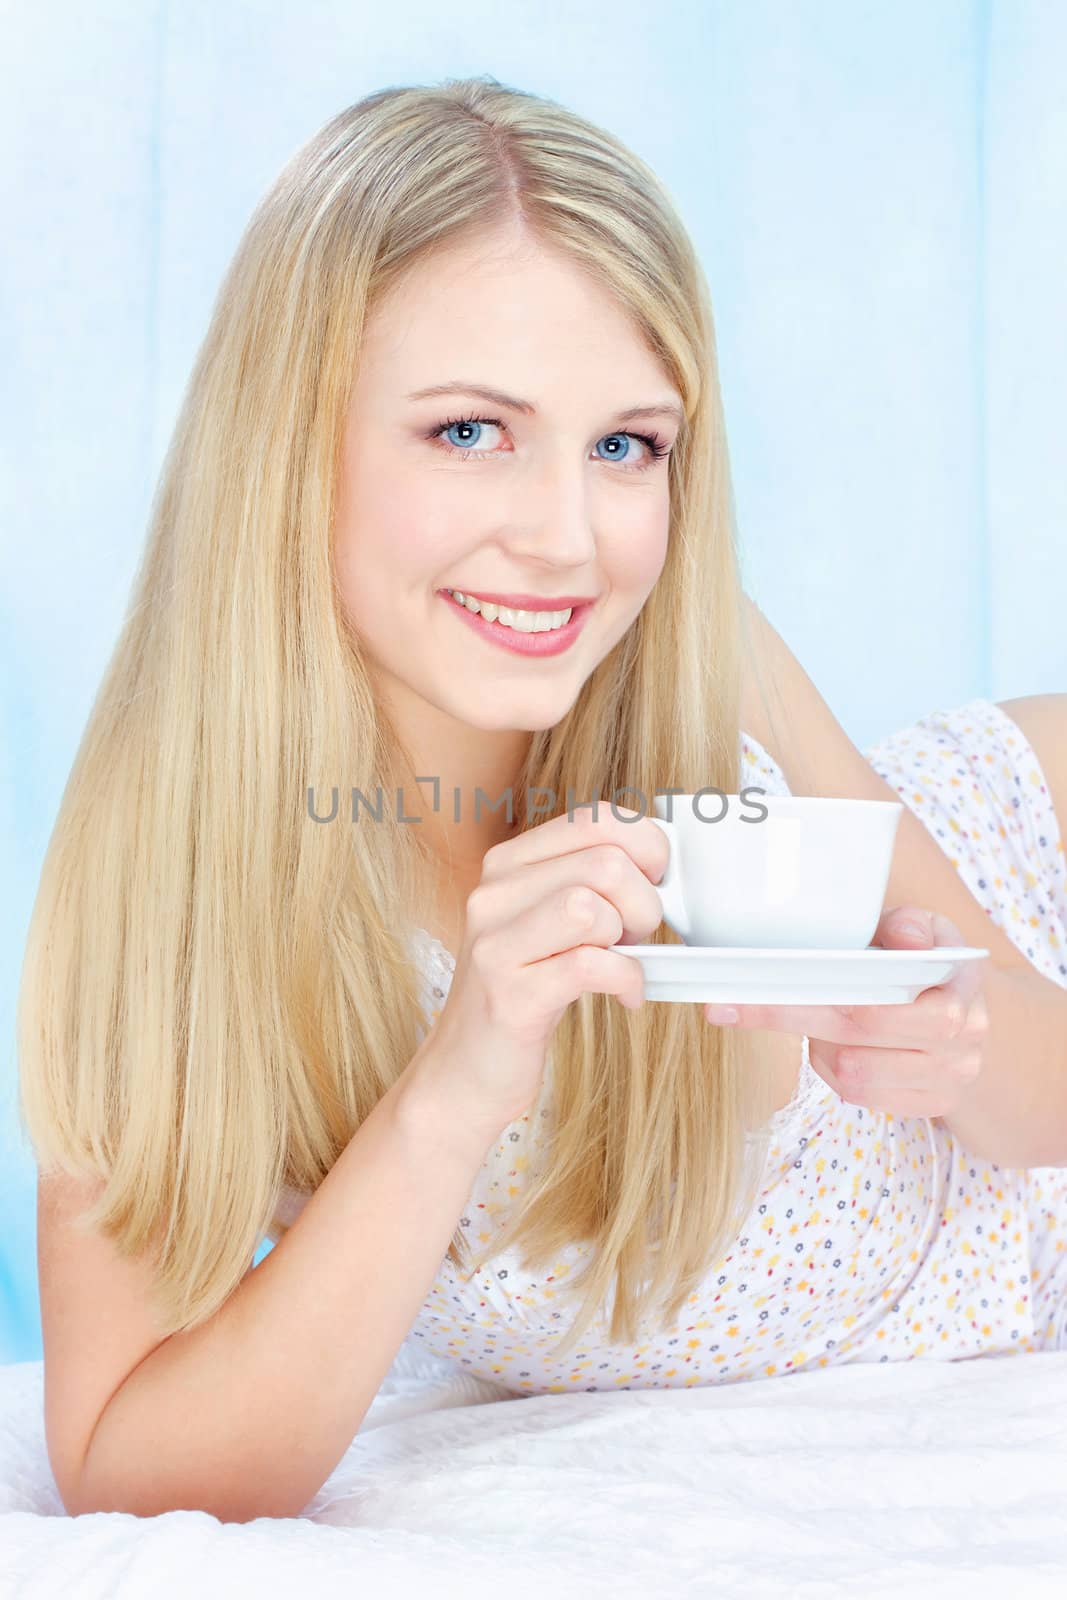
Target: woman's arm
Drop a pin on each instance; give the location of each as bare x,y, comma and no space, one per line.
247,1414
1015,1113
1025,1086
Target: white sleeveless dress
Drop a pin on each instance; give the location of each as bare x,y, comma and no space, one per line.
874,1237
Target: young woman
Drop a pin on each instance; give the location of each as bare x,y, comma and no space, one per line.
465,349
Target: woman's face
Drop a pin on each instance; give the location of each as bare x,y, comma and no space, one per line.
552,493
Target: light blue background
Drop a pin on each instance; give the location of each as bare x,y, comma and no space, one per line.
877,191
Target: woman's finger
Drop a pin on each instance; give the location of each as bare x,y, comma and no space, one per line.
937,1015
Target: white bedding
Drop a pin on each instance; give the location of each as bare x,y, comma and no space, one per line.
917,1478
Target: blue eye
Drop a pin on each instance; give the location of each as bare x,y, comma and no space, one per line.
619,438
463,428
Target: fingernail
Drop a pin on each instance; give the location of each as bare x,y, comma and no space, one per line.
913,930
723,1015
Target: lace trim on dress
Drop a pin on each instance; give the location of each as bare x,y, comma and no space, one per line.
810,1090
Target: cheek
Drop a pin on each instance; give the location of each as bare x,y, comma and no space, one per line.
634,543
388,525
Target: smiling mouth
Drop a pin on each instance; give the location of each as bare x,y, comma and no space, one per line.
519,619
545,635
526,602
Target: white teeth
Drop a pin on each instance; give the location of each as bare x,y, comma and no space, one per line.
521,621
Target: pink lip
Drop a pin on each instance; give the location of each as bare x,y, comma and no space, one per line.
528,602
524,644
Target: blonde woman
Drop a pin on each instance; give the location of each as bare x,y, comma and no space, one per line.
464,360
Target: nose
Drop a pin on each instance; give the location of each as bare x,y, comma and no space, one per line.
552,526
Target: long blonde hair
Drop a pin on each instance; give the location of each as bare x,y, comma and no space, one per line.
216,992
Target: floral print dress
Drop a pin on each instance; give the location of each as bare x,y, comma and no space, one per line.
874,1237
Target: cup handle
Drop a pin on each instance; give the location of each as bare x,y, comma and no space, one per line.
669,888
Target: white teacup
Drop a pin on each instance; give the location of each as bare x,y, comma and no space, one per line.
776,871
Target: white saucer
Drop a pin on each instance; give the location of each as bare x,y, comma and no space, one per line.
794,977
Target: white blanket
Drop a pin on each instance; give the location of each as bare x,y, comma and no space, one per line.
911,1479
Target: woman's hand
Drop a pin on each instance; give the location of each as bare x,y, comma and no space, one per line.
915,1060
536,936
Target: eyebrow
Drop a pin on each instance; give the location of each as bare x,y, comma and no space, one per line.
665,408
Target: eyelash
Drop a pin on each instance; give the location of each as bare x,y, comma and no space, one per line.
657,448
